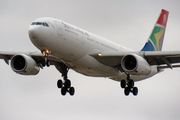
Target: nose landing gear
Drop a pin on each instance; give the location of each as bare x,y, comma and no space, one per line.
46,53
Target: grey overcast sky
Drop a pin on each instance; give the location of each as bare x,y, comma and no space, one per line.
128,23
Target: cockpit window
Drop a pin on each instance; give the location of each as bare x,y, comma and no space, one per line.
33,23
40,23
44,24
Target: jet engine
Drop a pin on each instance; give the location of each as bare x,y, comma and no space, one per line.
135,64
24,65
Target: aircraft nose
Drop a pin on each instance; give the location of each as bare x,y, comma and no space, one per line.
35,35
33,32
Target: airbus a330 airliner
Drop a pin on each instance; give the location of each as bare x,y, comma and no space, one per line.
68,47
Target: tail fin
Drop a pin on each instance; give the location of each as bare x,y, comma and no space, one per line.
156,38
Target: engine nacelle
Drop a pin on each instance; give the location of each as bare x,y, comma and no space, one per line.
135,64
24,64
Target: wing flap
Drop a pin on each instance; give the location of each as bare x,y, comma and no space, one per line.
162,57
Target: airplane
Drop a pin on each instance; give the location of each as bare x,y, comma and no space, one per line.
68,47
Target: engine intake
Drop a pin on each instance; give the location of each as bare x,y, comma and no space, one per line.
135,64
24,64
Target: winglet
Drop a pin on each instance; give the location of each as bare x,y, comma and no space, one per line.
156,38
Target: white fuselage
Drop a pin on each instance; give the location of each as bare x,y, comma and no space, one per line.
73,45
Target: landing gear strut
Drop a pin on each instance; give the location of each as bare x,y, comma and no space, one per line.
129,86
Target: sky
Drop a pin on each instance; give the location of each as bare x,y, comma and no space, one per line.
128,23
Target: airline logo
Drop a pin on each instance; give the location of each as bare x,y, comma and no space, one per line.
155,41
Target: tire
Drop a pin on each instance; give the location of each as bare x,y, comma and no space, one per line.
123,83
48,63
127,91
67,83
71,91
135,91
43,64
59,83
63,91
131,84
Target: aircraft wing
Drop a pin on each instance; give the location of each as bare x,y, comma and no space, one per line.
152,57
37,56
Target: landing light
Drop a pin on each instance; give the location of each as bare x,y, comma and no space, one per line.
46,52
100,54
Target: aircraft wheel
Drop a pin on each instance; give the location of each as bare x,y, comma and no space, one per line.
63,91
131,83
59,83
71,91
67,84
123,83
135,91
43,64
127,91
48,63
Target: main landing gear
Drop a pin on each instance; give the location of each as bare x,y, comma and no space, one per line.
65,84
129,86
65,87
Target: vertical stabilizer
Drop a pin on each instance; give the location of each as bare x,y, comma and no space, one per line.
155,41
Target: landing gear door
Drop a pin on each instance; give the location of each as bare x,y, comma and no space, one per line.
58,28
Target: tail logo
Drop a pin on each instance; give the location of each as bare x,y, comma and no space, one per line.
164,18
156,38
